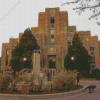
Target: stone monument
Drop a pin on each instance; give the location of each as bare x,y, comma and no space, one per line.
36,65
39,76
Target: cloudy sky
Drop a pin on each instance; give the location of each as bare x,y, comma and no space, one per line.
17,15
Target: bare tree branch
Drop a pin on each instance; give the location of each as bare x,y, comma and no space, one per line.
95,15
98,23
71,2
86,4
87,7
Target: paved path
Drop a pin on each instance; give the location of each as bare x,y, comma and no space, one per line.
95,95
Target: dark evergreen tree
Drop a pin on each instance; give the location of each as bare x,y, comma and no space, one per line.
23,50
81,60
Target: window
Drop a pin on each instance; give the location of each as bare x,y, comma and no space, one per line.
92,53
52,43
93,59
52,36
7,55
92,47
85,34
68,34
52,40
68,42
52,22
6,60
7,52
92,65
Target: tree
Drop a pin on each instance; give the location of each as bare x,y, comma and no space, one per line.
24,49
92,5
82,59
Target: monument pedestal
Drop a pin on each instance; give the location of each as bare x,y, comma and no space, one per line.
25,88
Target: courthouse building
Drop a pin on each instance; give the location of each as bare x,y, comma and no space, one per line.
54,36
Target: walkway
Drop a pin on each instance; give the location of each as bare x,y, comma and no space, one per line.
95,95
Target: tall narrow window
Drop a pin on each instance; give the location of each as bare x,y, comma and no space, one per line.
93,59
68,34
52,43
69,42
91,47
7,55
52,36
52,22
92,66
52,39
92,53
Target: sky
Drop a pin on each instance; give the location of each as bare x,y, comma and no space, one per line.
17,15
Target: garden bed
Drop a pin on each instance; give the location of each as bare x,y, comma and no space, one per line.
58,91
4,91
42,92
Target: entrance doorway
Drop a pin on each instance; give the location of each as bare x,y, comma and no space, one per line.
52,61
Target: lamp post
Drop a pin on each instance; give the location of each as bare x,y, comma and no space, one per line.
41,77
72,58
25,59
77,79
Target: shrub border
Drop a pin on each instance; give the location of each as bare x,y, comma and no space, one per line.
44,96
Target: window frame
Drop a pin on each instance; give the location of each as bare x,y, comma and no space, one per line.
92,47
93,59
68,43
68,34
52,22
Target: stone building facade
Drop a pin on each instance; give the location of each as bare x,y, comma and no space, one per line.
54,36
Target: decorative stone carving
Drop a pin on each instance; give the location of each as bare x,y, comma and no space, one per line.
52,12
87,39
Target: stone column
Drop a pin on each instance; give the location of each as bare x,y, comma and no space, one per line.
36,63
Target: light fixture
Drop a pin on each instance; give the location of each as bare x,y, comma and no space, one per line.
24,59
72,58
